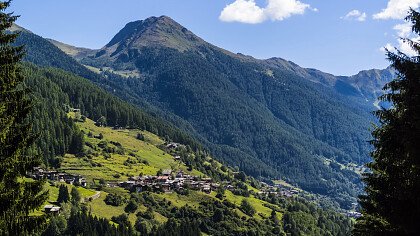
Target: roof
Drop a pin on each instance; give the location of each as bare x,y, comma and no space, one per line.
167,172
55,209
48,206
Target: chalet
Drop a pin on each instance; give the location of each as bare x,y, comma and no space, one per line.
162,179
52,209
166,187
180,174
127,184
206,188
167,172
354,214
55,210
47,208
172,145
177,158
214,186
207,180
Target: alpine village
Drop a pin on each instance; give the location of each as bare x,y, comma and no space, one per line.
160,132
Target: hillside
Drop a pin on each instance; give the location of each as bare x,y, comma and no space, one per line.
267,121
87,132
54,91
217,213
105,155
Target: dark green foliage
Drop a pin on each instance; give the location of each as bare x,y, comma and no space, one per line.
241,176
221,218
391,205
179,228
63,194
122,220
269,127
57,133
53,89
17,198
303,218
247,208
84,224
140,136
56,226
131,207
75,196
114,200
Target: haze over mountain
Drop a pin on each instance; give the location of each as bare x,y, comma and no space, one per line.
270,118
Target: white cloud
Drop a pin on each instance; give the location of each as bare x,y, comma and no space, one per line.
402,47
247,11
243,11
406,48
403,30
388,47
355,15
397,9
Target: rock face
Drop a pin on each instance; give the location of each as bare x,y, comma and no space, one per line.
151,32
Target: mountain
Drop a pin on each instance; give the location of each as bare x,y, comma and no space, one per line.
269,118
75,52
363,88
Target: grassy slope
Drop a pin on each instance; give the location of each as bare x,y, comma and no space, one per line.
156,159
147,150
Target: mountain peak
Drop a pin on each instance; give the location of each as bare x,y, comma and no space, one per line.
160,31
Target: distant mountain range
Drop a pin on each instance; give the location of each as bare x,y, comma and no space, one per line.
269,118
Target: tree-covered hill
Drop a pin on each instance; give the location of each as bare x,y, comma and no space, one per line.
55,91
268,121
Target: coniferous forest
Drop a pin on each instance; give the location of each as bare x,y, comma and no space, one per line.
161,133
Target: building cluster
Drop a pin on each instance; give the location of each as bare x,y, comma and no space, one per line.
278,190
169,181
39,173
354,214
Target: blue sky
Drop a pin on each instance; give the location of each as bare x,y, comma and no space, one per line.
341,37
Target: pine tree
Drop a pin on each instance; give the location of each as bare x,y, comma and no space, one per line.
63,194
391,205
18,198
75,196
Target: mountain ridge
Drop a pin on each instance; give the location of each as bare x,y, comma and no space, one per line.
263,117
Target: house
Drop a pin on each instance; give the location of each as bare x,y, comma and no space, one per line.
55,210
162,179
354,214
206,188
166,187
172,145
167,172
214,186
180,174
52,209
177,158
127,184
47,208
207,180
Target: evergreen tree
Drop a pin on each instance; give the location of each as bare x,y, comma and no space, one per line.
18,198
247,208
75,196
63,194
391,205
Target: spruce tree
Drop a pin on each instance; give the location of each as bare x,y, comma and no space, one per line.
63,194
391,205
75,196
18,198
